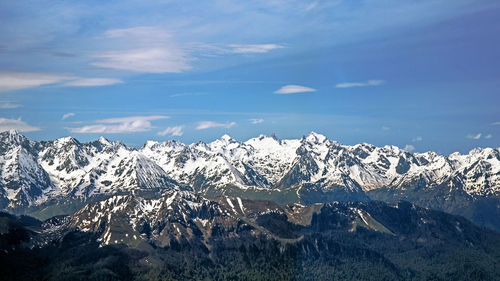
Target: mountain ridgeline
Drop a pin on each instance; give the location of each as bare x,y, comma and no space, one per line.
264,209
50,178
183,236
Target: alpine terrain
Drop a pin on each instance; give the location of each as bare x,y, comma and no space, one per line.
57,177
264,209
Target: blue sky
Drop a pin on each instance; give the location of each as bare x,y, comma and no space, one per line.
424,75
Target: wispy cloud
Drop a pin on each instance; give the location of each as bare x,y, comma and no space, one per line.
67,115
147,60
8,105
145,34
130,124
16,124
360,84
10,81
92,82
173,131
152,50
417,139
256,120
409,148
488,136
210,124
311,6
495,123
474,137
253,48
385,128
293,89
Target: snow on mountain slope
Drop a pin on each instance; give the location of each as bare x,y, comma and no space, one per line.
169,217
100,167
32,173
22,180
267,162
66,167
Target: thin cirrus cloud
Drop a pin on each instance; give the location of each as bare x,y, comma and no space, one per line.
210,124
479,136
360,84
474,137
253,48
120,125
152,50
10,81
293,89
256,120
67,115
175,131
93,82
417,139
16,124
8,105
409,148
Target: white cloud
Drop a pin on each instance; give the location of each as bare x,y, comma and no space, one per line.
475,137
149,50
7,105
174,131
120,125
409,148
210,124
146,34
256,120
385,128
253,48
21,80
360,84
489,136
67,115
293,89
417,139
148,60
90,82
16,124
10,81
495,123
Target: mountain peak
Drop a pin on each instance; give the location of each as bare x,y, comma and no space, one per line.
150,144
272,136
12,135
226,138
315,138
13,132
103,140
66,140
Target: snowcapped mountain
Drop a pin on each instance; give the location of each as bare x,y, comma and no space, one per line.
307,170
22,180
33,173
267,162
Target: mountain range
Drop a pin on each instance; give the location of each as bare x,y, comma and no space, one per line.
50,178
264,209
184,236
